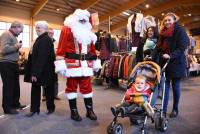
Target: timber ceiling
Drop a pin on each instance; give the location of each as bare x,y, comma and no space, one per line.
188,10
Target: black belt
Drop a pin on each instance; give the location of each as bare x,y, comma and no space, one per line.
80,56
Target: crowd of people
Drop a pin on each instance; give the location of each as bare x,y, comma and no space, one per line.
76,47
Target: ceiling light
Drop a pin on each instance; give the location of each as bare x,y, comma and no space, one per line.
57,9
147,5
17,0
189,14
125,13
163,14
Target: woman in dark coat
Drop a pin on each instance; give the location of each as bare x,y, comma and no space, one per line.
147,45
41,70
171,45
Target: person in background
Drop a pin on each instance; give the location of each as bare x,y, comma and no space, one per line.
41,70
51,34
171,46
9,69
76,46
147,45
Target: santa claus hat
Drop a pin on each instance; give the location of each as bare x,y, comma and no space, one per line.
82,14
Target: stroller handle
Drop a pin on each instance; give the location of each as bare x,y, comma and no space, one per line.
164,67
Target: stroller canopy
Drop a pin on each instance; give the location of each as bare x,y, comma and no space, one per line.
149,69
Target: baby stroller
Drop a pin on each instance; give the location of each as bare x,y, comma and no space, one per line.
156,77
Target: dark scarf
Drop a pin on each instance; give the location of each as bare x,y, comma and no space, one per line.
163,44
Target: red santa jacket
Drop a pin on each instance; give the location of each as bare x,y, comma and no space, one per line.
67,44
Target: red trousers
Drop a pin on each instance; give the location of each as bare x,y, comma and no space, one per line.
84,84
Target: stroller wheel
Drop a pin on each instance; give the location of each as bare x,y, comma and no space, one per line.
115,128
161,123
164,124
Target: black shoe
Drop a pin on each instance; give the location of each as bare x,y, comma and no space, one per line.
50,112
173,114
75,115
90,114
31,114
56,98
20,106
11,111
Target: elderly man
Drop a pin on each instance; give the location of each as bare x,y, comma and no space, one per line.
76,44
9,69
42,69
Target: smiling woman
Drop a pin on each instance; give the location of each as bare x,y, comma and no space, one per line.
171,45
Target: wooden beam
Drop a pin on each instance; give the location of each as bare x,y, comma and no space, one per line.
88,3
123,7
190,19
193,11
169,5
193,25
38,7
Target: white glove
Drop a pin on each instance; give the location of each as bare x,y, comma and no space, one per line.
97,65
60,65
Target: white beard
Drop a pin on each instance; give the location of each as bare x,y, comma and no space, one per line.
81,32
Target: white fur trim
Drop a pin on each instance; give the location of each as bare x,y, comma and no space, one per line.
84,49
81,71
88,95
71,96
82,14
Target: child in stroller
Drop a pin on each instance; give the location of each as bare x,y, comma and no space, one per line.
140,102
136,96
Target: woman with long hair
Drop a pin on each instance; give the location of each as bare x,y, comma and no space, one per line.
171,46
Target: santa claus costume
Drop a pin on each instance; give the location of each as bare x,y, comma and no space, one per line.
76,44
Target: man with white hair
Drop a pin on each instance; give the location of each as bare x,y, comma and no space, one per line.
76,45
9,69
42,70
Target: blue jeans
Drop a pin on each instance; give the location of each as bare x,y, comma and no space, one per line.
176,93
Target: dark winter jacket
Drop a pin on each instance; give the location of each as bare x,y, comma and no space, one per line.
41,61
177,45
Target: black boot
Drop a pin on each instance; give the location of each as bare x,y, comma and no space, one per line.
74,112
90,113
